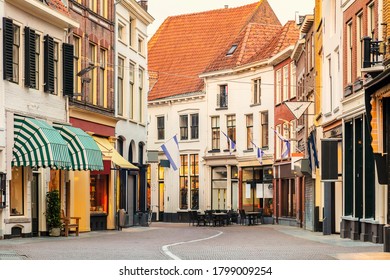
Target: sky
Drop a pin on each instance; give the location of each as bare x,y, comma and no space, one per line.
160,9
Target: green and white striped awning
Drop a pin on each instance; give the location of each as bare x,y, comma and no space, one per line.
84,152
37,144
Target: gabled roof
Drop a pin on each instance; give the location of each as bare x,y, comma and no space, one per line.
184,46
251,41
287,36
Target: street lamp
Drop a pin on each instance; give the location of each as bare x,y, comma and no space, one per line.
85,79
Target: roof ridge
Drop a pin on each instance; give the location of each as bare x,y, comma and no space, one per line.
214,10
244,43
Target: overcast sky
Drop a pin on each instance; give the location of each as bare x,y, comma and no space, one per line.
160,9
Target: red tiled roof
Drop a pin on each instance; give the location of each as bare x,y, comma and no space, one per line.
287,36
252,41
185,45
59,6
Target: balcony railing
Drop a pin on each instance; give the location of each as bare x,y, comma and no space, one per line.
373,53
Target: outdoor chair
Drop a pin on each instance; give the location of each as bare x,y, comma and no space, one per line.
192,217
243,216
200,218
209,218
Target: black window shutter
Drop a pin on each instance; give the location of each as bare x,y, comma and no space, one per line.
8,42
29,53
49,64
67,73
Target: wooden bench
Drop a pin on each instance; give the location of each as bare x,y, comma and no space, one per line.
70,223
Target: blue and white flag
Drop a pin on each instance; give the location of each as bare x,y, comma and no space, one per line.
259,153
286,144
171,150
312,149
232,145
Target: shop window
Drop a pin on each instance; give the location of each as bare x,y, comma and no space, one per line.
257,190
183,200
219,185
148,190
234,187
99,194
194,168
2,190
17,192
161,187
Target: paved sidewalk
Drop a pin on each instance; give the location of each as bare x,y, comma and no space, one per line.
334,239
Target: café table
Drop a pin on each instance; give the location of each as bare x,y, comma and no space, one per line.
220,219
252,217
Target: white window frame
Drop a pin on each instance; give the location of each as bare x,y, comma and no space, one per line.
278,85
285,82
293,80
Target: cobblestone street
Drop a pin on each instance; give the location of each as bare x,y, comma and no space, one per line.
165,241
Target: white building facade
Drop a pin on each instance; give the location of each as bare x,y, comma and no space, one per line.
332,95
176,192
132,87
31,93
240,104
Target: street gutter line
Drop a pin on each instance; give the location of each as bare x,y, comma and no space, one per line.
167,252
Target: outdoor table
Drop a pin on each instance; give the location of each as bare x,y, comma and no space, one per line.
251,217
220,218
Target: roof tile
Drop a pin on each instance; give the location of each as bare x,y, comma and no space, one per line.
184,46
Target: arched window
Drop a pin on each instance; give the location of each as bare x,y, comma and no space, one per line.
131,154
119,147
141,153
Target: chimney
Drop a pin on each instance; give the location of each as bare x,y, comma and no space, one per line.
226,6
144,4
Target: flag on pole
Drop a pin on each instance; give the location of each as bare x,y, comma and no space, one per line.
232,145
312,151
171,150
259,153
286,144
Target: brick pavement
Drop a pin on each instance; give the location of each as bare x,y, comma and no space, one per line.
164,241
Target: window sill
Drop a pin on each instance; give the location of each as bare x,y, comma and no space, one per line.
122,42
221,108
20,220
214,151
248,151
255,105
188,140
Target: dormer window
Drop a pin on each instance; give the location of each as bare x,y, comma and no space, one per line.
232,49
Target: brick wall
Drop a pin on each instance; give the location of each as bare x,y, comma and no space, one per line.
350,14
100,31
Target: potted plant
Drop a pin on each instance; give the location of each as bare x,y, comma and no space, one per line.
53,216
